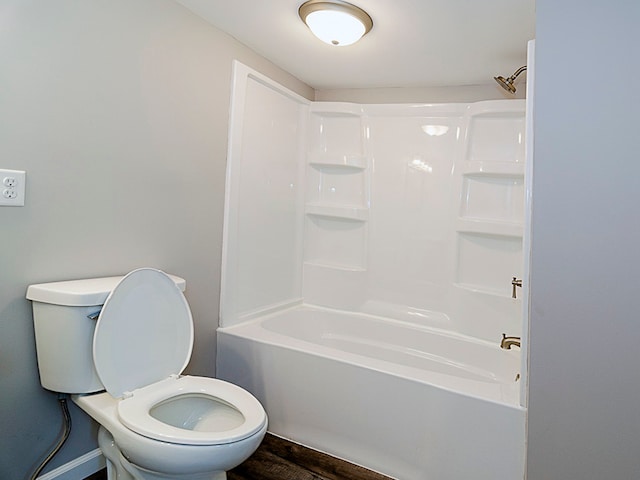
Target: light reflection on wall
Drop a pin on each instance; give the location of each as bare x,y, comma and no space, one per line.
419,164
435,130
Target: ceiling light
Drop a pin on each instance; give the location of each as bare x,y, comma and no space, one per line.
335,22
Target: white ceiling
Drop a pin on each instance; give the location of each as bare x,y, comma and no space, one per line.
414,43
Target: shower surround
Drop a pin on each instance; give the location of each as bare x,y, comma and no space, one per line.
367,265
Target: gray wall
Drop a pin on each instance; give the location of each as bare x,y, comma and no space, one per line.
117,110
584,418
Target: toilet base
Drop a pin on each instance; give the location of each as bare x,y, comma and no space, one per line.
119,468
113,456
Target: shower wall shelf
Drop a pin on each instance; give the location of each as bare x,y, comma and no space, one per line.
497,169
503,229
319,160
343,212
329,266
336,109
496,108
480,289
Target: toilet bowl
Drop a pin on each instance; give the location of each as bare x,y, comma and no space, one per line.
163,424
155,458
192,411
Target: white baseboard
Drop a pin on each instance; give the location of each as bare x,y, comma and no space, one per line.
77,469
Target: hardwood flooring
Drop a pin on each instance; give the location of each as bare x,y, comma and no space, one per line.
100,475
279,459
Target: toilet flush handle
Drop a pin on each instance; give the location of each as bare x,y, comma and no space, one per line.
94,315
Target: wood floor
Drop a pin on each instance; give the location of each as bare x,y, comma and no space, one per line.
279,459
101,475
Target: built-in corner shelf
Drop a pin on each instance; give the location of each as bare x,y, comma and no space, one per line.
331,266
343,212
337,180
493,169
336,109
488,227
483,290
355,162
496,108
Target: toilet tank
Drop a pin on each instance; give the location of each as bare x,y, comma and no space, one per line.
64,318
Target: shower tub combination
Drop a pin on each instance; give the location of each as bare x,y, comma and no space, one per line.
397,399
356,342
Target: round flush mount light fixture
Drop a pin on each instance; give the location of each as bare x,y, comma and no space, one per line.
335,22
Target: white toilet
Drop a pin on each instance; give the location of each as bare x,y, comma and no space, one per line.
132,336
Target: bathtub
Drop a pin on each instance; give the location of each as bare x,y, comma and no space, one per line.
410,402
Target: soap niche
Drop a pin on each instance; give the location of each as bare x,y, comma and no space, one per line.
335,185
335,242
493,198
487,262
335,134
497,137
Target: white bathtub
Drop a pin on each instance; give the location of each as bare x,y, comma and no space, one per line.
412,403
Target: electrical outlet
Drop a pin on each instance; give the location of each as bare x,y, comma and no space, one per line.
12,187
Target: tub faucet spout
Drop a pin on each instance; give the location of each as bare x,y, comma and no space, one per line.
508,342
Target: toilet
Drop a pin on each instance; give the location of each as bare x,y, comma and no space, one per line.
119,346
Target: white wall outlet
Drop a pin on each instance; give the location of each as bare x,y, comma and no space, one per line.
12,187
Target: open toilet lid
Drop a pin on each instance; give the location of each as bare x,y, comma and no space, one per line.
144,332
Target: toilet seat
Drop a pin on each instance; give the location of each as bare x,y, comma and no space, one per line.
135,412
141,344
144,332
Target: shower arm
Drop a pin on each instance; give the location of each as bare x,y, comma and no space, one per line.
518,72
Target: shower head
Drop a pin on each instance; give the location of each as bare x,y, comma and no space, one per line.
507,83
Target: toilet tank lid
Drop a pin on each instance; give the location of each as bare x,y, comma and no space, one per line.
80,293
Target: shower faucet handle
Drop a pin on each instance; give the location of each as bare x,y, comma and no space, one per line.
515,283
